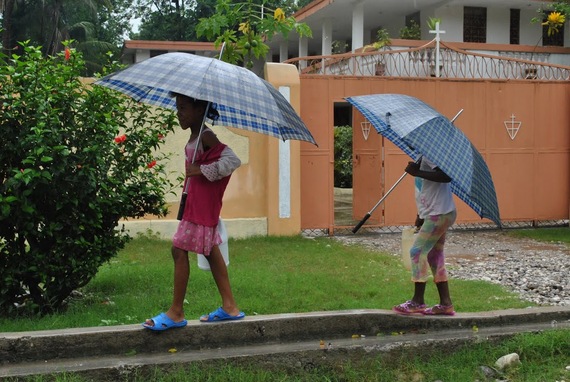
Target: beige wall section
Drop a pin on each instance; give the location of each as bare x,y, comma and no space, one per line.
251,204
284,171
245,201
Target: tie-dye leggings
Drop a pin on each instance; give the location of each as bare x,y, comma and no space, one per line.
428,248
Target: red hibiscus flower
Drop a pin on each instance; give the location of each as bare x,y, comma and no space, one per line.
120,139
151,164
67,54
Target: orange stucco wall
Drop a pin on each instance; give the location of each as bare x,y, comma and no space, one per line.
531,172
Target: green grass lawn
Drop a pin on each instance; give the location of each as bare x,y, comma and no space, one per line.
558,234
543,356
295,274
269,275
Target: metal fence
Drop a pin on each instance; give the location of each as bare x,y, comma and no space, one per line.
364,230
421,62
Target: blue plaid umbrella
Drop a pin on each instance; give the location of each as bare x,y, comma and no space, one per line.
243,99
419,130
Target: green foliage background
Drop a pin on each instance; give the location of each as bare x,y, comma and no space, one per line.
343,156
65,181
246,27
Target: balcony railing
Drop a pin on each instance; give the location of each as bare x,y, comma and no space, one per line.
421,62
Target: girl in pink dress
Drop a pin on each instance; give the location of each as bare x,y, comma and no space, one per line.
207,175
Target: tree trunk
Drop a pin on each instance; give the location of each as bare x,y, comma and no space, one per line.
7,26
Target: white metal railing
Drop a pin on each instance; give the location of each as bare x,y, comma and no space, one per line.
420,62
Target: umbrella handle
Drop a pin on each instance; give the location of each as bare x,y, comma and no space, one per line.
357,227
360,223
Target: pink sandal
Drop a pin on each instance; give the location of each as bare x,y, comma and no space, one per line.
440,310
409,307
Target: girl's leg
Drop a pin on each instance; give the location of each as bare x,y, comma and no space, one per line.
426,240
443,290
424,243
419,291
181,276
436,258
220,274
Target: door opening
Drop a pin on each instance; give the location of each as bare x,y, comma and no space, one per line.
343,164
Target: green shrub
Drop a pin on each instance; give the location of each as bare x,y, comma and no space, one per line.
411,31
343,156
74,160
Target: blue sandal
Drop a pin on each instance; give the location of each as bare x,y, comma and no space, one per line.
220,315
163,322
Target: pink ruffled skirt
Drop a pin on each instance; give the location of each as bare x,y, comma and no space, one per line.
196,238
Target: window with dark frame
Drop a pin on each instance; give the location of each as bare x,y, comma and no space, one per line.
515,29
556,39
475,24
414,17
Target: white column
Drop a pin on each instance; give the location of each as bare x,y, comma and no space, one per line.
303,51
285,168
357,26
283,51
326,45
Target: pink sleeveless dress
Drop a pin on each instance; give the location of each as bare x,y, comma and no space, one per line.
193,237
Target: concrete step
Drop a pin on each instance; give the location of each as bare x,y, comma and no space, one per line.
109,353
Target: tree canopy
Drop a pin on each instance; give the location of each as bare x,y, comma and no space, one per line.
95,26
176,20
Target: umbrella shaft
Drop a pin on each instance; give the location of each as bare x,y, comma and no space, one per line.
388,193
200,132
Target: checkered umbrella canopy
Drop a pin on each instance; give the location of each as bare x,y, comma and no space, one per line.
243,99
418,130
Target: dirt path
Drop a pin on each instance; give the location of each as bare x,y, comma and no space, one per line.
535,270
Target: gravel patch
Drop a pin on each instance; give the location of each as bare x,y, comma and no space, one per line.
536,271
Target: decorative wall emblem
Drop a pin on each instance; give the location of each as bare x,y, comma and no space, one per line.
365,129
512,127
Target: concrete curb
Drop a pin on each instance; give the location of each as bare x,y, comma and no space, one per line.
43,346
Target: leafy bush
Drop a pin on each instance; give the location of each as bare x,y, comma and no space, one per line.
343,156
74,160
411,31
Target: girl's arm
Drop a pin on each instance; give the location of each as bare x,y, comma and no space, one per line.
437,175
223,167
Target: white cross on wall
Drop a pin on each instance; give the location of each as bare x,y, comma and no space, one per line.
437,32
512,127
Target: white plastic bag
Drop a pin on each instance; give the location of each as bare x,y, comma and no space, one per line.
408,238
203,262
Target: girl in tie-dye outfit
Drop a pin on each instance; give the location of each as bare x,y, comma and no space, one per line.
437,209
